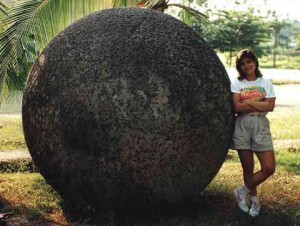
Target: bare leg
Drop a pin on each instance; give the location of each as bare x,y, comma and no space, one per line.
267,163
247,161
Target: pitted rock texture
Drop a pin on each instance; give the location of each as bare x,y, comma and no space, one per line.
127,103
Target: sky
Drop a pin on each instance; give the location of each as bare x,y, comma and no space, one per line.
284,8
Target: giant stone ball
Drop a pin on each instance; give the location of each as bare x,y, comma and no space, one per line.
124,104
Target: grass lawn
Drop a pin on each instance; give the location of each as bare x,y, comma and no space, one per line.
282,62
11,133
35,203
285,124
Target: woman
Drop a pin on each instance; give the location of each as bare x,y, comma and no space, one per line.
253,96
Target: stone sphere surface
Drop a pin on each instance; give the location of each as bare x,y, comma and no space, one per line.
127,103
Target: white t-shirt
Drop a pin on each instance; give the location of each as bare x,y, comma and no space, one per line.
259,89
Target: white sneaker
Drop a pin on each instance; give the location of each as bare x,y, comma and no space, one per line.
242,200
254,209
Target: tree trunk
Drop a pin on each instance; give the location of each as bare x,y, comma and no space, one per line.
276,33
274,57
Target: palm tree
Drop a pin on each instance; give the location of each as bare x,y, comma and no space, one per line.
30,25
2,8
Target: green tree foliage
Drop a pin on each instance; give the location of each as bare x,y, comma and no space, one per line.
298,42
284,36
231,31
2,9
296,34
188,18
3,14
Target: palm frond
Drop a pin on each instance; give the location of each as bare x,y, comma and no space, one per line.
162,5
155,3
30,26
123,3
193,12
3,8
159,5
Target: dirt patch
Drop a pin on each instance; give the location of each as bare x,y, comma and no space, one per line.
287,145
14,155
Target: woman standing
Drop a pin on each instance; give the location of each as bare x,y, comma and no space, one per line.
253,97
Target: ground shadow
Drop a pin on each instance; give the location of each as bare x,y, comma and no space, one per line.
207,209
23,215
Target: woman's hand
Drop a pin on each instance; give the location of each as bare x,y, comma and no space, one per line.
241,107
266,105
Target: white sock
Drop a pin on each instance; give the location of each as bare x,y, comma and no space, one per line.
244,190
254,199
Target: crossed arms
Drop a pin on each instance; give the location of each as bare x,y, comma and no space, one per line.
248,106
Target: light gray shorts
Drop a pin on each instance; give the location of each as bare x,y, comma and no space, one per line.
252,132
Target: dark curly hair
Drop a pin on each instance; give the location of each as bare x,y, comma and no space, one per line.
246,53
